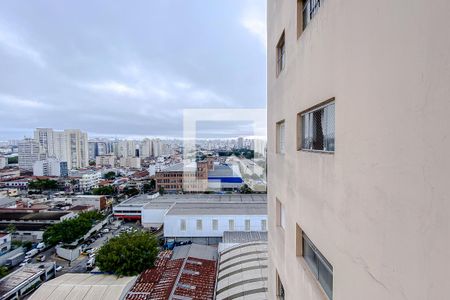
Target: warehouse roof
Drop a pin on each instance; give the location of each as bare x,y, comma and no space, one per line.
218,209
243,236
84,286
24,215
211,198
243,272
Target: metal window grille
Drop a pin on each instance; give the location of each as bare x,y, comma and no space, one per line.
310,8
281,54
318,129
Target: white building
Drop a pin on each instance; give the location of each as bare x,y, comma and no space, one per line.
146,149
130,162
44,136
60,145
206,222
50,167
5,242
28,154
90,181
127,148
105,161
77,149
3,162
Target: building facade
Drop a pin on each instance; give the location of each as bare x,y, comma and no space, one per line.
50,167
29,153
357,123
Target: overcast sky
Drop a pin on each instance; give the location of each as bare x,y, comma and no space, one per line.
127,68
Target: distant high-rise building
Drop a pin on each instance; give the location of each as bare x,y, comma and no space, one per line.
146,148
77,149
44,136
3,162
29,151
240,143
50,167
127,148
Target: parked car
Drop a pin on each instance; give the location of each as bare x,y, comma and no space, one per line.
31,253
105,230
40,246
25,261
59,268
41,258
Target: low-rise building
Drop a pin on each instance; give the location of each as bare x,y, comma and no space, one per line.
86,287
187,177
25,280
99,202
50,167
89,180
187,272
10,173
5,242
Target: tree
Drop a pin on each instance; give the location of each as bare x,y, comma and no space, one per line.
161,191
27,245
130,191
150,186
128,254
43,184
11,228
245,189
3,271
71,230
110,175
103,190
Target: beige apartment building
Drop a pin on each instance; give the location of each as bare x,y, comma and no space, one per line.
358,154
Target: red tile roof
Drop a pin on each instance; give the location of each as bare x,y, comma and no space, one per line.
189,277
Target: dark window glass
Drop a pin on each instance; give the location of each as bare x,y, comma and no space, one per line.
318,129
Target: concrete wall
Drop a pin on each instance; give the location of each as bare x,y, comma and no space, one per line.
153,217
378,207
172,225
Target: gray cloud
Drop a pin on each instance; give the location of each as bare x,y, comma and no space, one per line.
127,68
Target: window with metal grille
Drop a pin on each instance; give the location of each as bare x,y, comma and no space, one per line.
281,54
310,9
319,266
317,128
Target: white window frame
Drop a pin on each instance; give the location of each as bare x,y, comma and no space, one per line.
281,137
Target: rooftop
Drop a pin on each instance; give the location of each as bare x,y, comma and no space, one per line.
222,171
20,276
24,215
218,209
188,272
180,167
243,272
243,236
85,286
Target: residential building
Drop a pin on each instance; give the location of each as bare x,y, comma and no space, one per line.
50,167
188,177
77,149
146,148
3,162
60,145
127,148
89,180
108,160
99,202
44,136
130,162
357,131
28,154
7,174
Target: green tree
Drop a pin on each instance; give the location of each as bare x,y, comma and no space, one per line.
130,191
103,190
11,228
3,271
27,245
128,254
161,191
150,186
43,184
110,175
245,189
71,230
13,160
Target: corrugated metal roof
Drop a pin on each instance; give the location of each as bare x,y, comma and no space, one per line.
84,286
243,236
218,209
